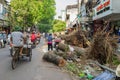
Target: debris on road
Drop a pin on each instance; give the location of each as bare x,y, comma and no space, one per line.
80,54
50,57
76,38
103,47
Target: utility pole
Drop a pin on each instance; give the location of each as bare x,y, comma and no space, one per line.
78,2
78,7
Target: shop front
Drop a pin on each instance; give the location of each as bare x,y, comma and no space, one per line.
107,11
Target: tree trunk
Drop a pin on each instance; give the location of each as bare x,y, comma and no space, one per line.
53,58
63,47
79,51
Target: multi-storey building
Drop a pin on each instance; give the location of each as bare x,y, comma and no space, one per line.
71,15
107,12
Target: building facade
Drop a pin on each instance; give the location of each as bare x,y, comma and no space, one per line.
71,15
84,14
63,15
3,14
108,11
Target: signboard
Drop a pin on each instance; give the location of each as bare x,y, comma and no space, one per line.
106,8
103,6
103,9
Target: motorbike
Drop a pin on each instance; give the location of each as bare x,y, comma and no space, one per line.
57,41
2,43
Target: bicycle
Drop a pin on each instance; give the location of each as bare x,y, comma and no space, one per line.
27,51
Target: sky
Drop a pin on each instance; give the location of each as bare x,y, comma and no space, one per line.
61,5
8,0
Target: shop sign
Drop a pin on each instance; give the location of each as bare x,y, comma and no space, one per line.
105,6
101,6
103,9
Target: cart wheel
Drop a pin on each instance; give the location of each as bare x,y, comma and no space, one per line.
12,52
14,63
15,59
30,55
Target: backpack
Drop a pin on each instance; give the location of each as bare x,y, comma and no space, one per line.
33,37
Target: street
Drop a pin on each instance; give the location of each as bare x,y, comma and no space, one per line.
37,69
80,39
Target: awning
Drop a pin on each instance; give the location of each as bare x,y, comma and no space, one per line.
110,17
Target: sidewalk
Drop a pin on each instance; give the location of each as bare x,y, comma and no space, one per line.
50,71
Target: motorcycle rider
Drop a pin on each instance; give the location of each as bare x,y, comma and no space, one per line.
33,37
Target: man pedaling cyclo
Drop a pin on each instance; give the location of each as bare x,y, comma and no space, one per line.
17,39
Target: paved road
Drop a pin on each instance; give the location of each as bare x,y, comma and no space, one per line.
37,69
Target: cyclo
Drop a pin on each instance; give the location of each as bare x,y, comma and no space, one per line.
27,52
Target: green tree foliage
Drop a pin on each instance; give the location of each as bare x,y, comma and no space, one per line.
44,27
58,25
48,15
32,12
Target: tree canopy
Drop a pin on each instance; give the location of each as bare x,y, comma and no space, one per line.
58,25
49,11
31,12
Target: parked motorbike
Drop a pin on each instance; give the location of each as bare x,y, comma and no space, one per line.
57,41
38,40
2,43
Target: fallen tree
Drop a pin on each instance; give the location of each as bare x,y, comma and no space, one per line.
79,51
77,38
63,47
103,47
50,57
69,52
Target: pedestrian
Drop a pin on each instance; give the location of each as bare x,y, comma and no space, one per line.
4,38
38,37
46,35
50,42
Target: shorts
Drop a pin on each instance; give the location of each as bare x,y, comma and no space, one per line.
14,45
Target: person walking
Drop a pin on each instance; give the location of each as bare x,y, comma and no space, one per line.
50,42
4,38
